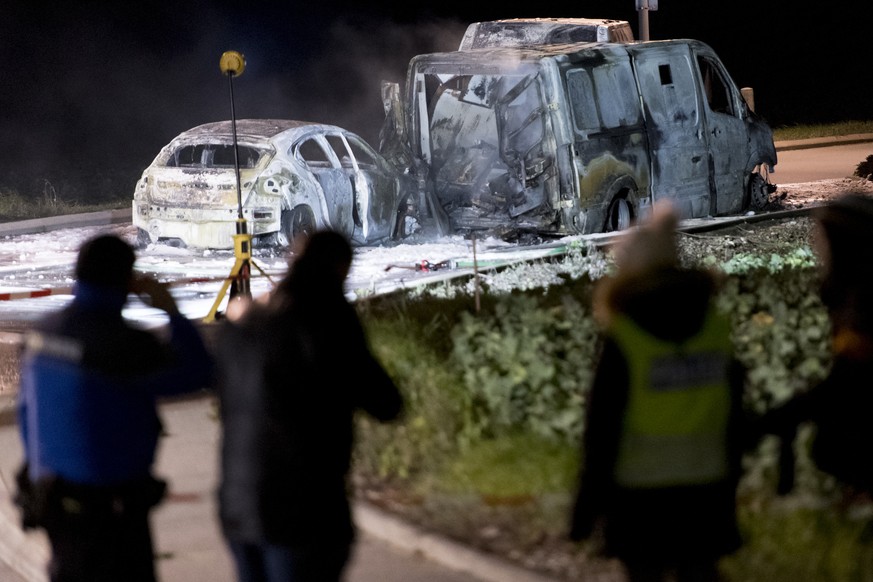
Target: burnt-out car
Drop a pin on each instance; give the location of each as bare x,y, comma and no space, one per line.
295,177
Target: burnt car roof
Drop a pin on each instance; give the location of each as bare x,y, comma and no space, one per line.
251,128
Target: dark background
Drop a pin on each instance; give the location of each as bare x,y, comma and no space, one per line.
92,89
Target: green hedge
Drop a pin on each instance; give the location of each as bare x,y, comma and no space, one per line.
517,371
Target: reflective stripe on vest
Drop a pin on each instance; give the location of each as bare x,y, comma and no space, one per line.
678,405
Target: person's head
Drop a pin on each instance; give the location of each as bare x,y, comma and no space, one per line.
318,263
650,285
843,240
106,261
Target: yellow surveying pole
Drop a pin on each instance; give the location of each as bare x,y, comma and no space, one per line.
232,65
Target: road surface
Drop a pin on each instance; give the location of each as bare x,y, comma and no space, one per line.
812,165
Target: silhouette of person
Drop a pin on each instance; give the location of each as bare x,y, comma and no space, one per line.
839,405
89,422
293,372
663,438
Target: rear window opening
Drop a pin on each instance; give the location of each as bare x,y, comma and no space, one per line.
213,156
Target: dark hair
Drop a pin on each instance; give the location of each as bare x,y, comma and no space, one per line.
105,260
318,265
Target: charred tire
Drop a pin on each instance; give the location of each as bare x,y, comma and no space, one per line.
296,223
619,215
758,192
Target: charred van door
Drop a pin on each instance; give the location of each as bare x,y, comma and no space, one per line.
727,132
374,215
679,149
522,128
320,158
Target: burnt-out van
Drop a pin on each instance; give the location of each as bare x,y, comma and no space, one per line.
576,138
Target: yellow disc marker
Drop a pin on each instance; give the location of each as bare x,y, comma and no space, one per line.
232,63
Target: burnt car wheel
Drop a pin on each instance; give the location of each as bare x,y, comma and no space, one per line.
296,223
759,191
619,215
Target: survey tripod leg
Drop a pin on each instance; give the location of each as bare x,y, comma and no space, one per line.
239,280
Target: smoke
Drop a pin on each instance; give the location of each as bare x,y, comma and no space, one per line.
103,91
342,84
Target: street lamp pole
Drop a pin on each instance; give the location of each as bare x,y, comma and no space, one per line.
643,7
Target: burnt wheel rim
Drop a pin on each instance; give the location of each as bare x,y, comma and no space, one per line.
619,215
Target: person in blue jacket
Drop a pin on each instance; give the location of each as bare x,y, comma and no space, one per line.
88,417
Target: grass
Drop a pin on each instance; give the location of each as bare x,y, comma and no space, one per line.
15,206
513,467
822,130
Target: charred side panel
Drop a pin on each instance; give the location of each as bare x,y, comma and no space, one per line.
610,149
681,161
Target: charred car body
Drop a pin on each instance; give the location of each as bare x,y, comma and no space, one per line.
295,177
577,138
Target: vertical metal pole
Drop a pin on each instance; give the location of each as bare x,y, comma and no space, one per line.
644,19
235,149
242,242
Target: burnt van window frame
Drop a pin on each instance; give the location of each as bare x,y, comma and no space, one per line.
715,87
600,99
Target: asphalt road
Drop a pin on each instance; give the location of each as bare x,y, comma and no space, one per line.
814,164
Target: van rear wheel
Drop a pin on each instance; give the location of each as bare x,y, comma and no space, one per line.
759,191
619,215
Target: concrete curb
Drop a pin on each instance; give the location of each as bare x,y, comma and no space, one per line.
439,549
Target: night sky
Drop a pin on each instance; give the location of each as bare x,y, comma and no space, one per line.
92,90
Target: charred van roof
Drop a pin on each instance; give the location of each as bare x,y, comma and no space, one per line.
524,32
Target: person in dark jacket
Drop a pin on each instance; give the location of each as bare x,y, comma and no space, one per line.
663,439
839,406
294,370
89,422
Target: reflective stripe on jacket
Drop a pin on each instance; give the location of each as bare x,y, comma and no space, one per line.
678,406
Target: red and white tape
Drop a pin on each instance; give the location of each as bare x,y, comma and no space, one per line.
35,293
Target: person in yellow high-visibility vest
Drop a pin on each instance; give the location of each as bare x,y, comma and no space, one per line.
665,426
